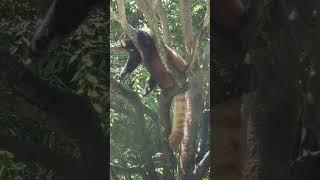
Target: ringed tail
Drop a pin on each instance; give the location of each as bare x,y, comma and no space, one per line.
178,127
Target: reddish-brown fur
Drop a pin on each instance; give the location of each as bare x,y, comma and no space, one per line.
159,72
227,14
176,59
229,139
177,132
152,60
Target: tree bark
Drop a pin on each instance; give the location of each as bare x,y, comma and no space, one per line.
272,111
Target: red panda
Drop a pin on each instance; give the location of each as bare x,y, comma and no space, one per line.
152,60
178,126
176,59
159,74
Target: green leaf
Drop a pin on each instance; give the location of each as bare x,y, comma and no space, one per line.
85,29
13,49
91,78
94,94
80,91
18,166
74,57
25,40
97,107
88,44
87,60
1,170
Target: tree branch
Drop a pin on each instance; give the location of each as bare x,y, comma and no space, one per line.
114,16
203,136
117,49
27,152
148,111
146,9
203,166
122,110
164,23
121,16
73,115
186,24
198,38
142,137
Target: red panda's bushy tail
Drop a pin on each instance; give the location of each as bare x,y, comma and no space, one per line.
178,127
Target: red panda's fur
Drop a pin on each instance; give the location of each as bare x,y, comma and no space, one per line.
152,60
176,59
179,117
179,123
159,72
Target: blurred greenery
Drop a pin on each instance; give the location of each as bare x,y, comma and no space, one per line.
78,64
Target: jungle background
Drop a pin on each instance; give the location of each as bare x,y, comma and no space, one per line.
138,148
35,110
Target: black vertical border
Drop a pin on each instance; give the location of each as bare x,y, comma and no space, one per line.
107,46
211,91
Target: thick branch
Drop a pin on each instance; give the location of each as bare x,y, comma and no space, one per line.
122,19
198,38
121,16
203,136
27,152
276,62
149,14
153,115
117,49
186,23
122,110
62,110
203,166
145,8
114,16
194,103
164,23
13,104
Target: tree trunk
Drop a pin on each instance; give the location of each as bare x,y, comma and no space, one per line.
228,141
272,111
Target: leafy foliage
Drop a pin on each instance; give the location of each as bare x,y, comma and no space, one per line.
124,147
78,64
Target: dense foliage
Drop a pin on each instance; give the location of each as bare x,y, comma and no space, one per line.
126,158
79,64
